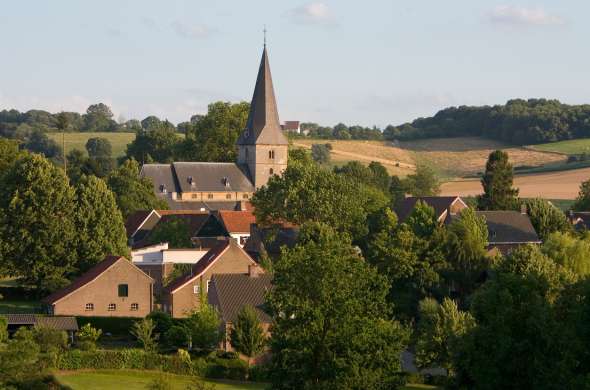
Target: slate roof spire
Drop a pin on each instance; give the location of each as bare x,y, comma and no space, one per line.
263,126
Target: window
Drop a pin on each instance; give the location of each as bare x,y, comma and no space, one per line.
134,306
245,196
272,172
89,306
271,154
194,196
209,196
196,289
112,307
123,290
228,196
208,283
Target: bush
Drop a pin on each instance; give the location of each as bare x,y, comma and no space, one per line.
235,369
161,382
87,337
259,373
116,326
177,336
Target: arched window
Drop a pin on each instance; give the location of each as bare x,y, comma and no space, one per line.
271,154
272,172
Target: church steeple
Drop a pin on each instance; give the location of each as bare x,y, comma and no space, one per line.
263,126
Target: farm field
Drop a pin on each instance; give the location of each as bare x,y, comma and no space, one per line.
575,146
450,157
118,141
550,185
133,380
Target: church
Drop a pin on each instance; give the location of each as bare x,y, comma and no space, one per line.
262,153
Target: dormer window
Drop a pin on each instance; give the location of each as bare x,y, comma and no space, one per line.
163,188
190,181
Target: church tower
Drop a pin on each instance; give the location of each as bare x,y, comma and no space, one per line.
262,146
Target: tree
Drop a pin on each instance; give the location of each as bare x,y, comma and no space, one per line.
144,333
3,329
178,270
583,199
328,331
159,143
9,153
38,142
37,229
423,182
87,337
133,192
422,219
439,332
247,335
99,117
468,238
99,223
98,147
174,231
380,177
203,325
309,193
19,360
214,136
497,184
569,251
546,218
374,175
321,153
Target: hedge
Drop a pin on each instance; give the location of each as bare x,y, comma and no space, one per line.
117,326
138,359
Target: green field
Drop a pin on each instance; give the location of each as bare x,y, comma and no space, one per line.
118,141
575,146
134,380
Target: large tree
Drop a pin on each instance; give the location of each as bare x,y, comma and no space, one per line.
546,218
133,192
423,182
583,199
332,327
213,137
247,335
497,184
159,143
37,229
99,223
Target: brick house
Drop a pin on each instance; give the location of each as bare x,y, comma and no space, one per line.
230,293
236,224
184,294
112,288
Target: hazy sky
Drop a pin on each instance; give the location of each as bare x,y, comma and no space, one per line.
369,62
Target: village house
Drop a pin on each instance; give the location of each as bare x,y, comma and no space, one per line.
184,294
112,288
507,230
262,153
291,127
445,207
236,224
230,293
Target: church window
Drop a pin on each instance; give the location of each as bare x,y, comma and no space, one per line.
272,172
271,154
210,196
227,196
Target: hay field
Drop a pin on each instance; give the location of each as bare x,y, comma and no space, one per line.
550,185
464,156
118,141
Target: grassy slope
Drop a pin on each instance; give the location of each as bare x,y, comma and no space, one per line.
576,146
133,380
118,141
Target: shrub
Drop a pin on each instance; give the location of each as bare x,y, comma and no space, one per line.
199,384
3,329
162,321
204,328
117,326
87,337
235,369
161,382
177,336
259,373
144,332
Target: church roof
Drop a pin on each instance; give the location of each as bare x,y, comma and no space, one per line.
212,176
263,126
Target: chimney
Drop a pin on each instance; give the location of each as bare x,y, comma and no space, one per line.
523,209
254,270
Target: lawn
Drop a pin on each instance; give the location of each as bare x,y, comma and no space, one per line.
575,146
134,380
118,141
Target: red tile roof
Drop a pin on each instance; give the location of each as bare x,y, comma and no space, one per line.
291,125
204,263
237,221
83,280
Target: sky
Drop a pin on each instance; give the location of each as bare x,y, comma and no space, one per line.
370,62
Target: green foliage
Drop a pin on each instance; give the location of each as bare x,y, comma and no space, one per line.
159,143
439,333
328,332
423,182
174,231
204,327
213,137
569,251
468,238
98,147
320,153
162,322
583,199
374,175
37,229
9,153
18,360
199,384
247,335
546,218
49,339
144,332
117,326
310,193
133,193
3,329
422,220
88,335
497,184
161,382
99,224
177,336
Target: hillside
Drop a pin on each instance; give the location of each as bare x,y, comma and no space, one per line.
78,141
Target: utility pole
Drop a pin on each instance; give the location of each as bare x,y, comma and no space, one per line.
62,123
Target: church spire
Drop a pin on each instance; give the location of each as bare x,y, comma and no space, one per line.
263,126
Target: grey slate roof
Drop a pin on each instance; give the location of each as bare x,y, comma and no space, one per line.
207,176
160,174
59,323
234,291
439,203
509,227
263,126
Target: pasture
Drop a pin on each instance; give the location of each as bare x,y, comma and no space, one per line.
574,146
78,141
